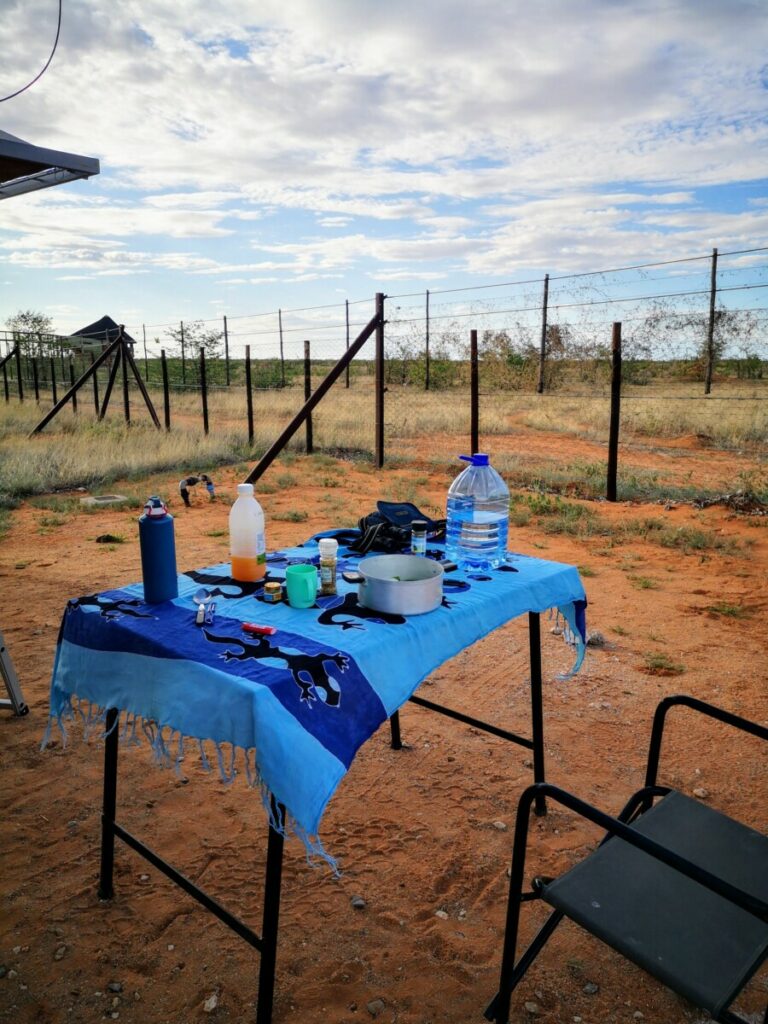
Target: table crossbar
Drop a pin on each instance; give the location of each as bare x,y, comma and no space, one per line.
189,887
494,730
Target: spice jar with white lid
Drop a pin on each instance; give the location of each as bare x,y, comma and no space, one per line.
329,547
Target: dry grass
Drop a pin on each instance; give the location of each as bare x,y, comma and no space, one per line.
76,450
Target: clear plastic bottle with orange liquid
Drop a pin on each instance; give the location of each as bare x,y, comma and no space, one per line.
247,545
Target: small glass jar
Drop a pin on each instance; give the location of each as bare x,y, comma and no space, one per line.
329,547
418,537
273,592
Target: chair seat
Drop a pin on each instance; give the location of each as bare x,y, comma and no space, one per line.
691,939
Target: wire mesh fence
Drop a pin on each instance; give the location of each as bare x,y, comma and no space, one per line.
690,327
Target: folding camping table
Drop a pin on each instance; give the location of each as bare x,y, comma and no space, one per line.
117,654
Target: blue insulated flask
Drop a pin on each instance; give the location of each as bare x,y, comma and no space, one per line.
158,553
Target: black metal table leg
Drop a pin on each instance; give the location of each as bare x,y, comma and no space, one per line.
270,921
537,712
109,805
394,725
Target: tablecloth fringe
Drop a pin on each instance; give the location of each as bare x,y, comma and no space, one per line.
167,746
565,619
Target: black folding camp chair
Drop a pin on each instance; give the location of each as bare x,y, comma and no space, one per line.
676,887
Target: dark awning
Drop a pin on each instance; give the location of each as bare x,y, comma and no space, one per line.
104,330
26,168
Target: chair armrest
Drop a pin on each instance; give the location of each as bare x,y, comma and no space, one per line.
710,710
618,828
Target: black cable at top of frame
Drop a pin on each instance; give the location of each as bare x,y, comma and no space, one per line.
40,74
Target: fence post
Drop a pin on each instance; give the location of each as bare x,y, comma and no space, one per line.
53,380
379,385
226,351
249,393
5,384
183,355
146,361
204,390
19,383
124,368
308,395
35,379
346,318
166,389
474,397
543,345
72,384
613,429
426,347
711,325
282,356
95,385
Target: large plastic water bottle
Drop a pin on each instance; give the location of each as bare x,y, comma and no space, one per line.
478,516
158,552
246,537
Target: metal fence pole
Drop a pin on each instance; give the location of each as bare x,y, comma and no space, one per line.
308,395
183,355
226,351
379,386
204,390
543,344
613,429
95,385
146,361
166,389
282,355
124,368
72,384
346,318
426,345
35,379
711,325
249,393
5,384
19,383
474,397
53,380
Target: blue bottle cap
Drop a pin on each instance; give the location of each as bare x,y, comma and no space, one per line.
478,459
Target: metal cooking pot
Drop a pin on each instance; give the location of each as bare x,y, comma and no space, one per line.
401,584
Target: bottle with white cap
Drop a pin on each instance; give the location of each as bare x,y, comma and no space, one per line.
247,545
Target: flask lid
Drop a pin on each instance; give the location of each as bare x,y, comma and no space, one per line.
478,459
245,489
155,507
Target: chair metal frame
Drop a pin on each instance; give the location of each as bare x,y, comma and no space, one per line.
512,972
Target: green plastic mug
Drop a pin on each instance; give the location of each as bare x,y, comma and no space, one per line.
301,584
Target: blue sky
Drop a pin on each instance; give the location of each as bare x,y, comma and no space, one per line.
257,156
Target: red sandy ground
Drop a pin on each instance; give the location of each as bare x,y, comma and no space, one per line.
415,831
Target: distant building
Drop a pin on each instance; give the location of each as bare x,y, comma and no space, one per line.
97,336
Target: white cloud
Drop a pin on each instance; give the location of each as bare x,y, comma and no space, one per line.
388,140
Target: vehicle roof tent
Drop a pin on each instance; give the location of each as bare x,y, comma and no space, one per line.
26,168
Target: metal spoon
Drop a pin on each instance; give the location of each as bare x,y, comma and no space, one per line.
200,597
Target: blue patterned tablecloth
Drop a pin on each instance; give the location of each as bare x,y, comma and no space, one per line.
293,708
